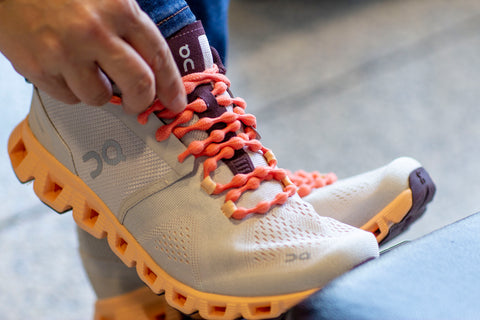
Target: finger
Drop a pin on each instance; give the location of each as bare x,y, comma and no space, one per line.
88,83
153,48
57,88
51,83
127,69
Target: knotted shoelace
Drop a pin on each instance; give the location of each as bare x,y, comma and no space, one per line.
215,148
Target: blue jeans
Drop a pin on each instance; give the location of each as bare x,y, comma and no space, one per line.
172,15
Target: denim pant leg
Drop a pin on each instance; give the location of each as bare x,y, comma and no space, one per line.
214,17
172,15
169,15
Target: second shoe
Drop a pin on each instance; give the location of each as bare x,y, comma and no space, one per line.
384,201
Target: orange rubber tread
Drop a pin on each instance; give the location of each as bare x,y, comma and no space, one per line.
393,213
62,190
141,304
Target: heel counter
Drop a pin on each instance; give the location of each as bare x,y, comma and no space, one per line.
46,133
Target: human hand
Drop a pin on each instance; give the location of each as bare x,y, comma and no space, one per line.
71,49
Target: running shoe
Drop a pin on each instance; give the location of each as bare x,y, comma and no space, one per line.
120,293
194,201
384,201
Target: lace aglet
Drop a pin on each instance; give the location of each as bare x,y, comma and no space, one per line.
229,208
208,185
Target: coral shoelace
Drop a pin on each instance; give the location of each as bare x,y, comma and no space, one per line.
308,181
215,148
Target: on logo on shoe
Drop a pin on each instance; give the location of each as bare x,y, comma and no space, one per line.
111,154
293,257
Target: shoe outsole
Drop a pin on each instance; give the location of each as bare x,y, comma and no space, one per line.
141,304
61,190
405,209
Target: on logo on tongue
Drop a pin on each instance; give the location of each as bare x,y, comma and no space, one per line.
184,52
188,62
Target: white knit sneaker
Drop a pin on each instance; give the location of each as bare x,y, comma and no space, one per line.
193,201
384,201
395,197
397,194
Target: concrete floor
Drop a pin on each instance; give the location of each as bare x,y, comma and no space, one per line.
343,86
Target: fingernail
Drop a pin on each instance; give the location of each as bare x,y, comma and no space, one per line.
178,104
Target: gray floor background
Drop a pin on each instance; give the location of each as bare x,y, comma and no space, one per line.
343,86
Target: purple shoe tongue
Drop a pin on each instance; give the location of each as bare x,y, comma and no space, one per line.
190,49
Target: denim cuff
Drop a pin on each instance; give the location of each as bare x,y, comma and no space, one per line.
170,16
